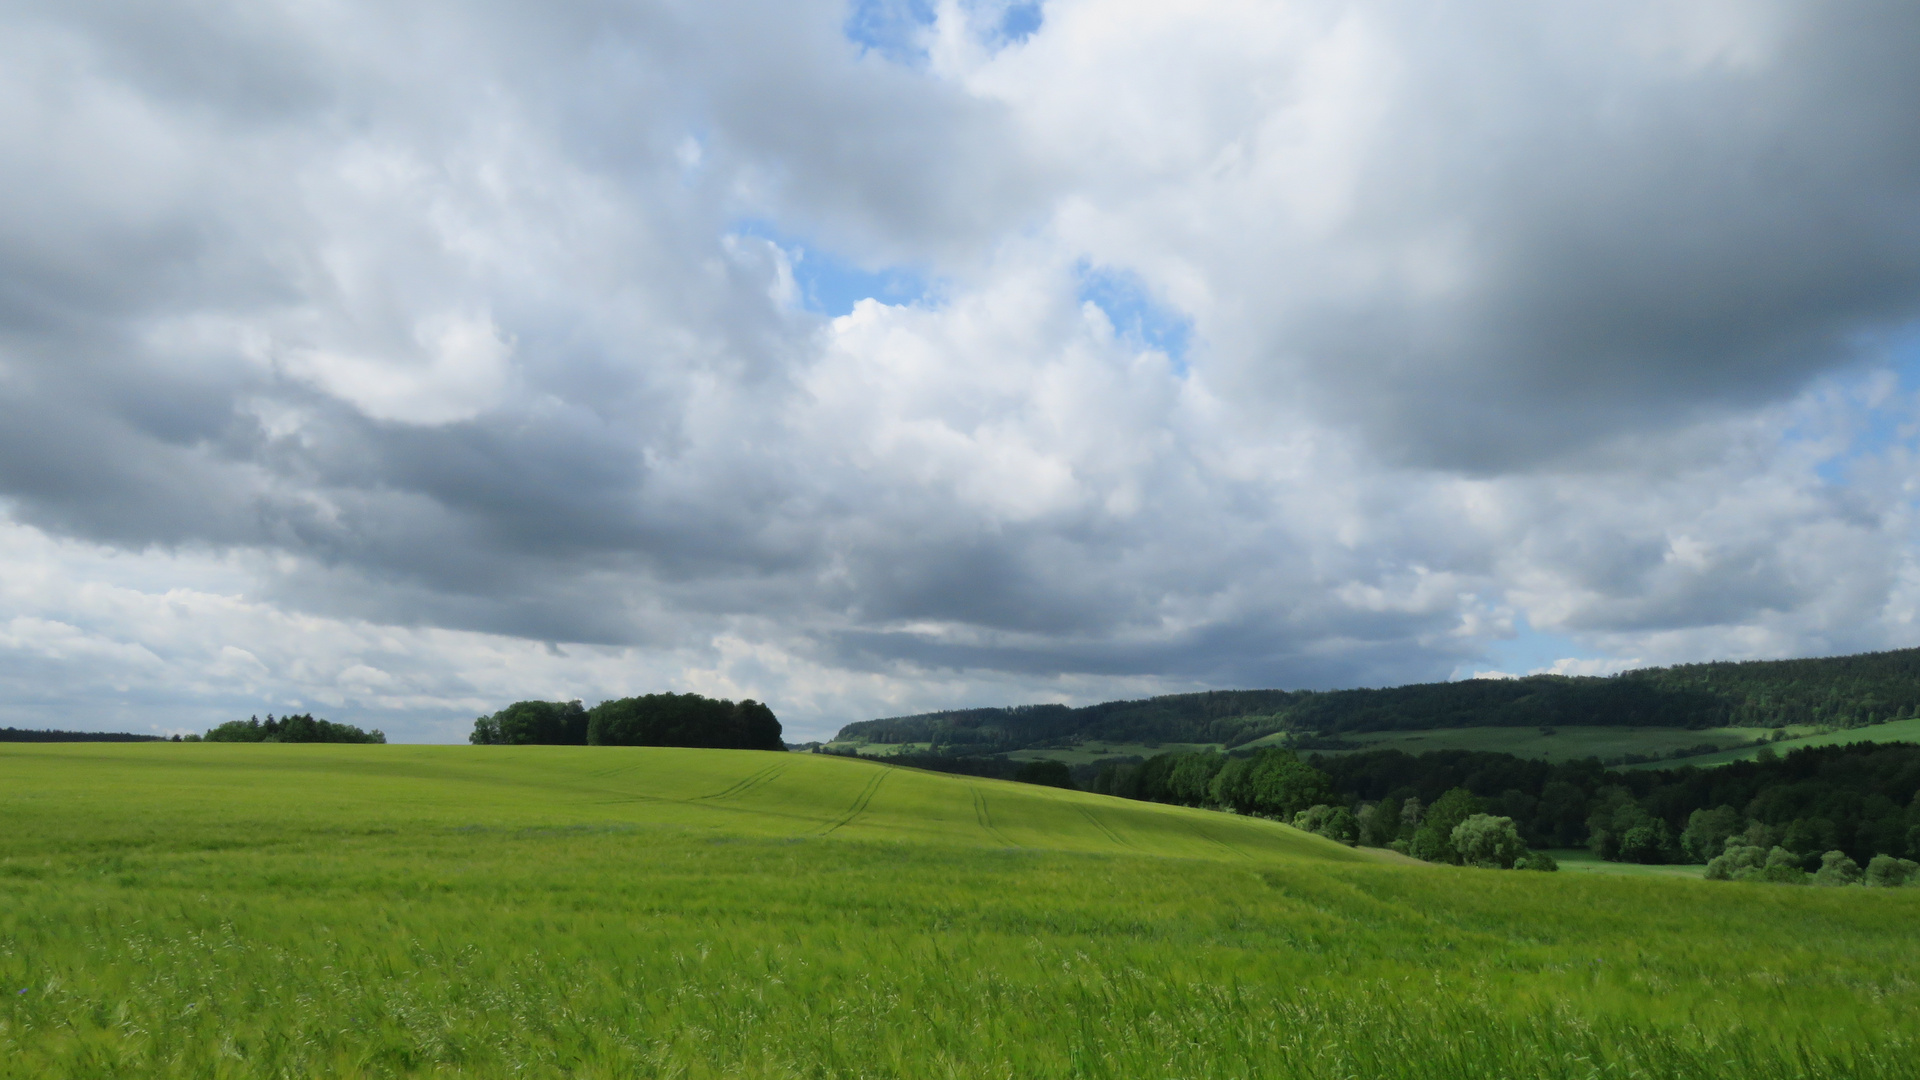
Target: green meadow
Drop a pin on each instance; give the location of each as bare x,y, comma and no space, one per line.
307,910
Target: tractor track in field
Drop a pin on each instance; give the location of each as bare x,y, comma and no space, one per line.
1211,839
862,801
749,782
1105,828
984,818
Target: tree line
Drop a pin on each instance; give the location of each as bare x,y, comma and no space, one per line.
1274,783
27,735
647,720
1850,813
298,728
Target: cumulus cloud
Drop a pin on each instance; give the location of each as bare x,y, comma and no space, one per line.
403,360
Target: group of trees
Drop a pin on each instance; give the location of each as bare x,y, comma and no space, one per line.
1275,783
299,728
1860,801
1268,781
648,720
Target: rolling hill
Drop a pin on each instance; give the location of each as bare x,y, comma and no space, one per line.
210,910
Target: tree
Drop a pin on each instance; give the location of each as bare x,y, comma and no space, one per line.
1272,782
1737,862
1837,869
1332,822
684,720
533,723
1887,872
1191,782
1783,868
1046,773
1707,831
1379,822
1433,840
1487,841
1648,841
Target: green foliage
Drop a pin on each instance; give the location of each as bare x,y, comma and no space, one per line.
1536,860
1707,832
301,728
1887,872
1433,839
1837,869
684,720
533,723
1269,782
1737,862
1486,841
1046,773
1332,822
1783,867
1862,799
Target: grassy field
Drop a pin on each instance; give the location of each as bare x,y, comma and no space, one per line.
1891,731
1566,744
1582,861
246,911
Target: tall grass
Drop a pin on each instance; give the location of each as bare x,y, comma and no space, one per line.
286,923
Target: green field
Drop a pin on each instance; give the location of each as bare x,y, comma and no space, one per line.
1566,744
1891,731
278,910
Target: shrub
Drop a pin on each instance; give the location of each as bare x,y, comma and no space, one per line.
1332,822
1737,862
1536,860
1487,841
1887,872
1837,869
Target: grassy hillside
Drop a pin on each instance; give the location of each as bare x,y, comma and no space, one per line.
239,911
1830,692
1907,731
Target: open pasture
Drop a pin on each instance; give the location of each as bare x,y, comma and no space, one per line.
244,911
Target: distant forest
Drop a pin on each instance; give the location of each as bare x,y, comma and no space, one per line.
25,735
299,728
1839,692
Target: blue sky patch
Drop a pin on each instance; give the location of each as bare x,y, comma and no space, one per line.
831,285
1136,316
890,27
1527,650
893,28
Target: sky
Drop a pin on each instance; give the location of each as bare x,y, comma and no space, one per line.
397,361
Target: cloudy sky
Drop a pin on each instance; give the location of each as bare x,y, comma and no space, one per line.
399,360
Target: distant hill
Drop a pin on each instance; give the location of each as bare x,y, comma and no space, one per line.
1837,692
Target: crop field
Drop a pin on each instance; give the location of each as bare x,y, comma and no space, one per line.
279,910
1892,731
